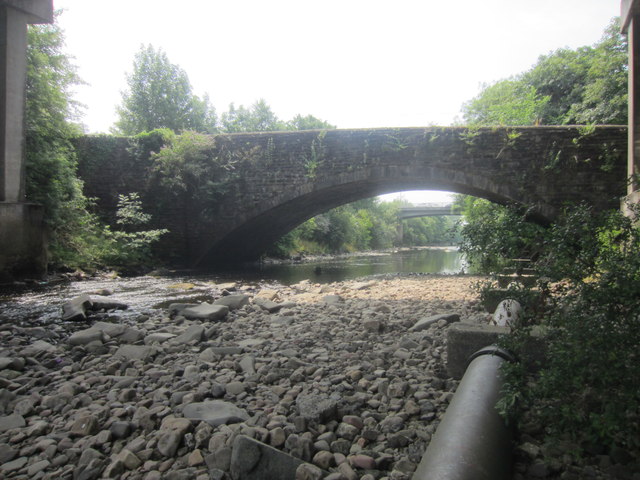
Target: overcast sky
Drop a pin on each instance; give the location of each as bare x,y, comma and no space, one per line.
353,63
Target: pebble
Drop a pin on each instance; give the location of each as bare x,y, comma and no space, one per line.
332,376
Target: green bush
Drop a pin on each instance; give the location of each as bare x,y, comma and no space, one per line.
492,235
588,390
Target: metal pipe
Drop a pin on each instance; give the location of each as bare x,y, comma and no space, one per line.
472,442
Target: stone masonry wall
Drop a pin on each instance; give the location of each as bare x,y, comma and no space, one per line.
276,180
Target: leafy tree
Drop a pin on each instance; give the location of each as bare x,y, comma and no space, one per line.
492,234
604,99
260,118
583,86
257,118
308,122
586,390
507,102
160,96
50,159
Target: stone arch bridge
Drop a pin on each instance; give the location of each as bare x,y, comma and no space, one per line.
277,180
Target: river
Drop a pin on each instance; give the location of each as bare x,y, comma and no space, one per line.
40,305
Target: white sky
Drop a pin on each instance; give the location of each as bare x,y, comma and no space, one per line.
353,63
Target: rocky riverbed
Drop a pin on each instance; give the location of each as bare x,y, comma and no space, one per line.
330,381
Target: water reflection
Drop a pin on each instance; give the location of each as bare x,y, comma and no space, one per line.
427,260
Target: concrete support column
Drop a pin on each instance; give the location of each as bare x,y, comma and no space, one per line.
22,244
13,69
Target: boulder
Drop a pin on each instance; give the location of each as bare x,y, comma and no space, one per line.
206,311
215,412
234,302
76,308
254,460
99,302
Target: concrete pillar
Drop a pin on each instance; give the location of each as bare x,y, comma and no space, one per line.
21,228
630,16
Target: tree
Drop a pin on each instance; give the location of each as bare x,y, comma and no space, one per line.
160,96
507,102
257,118
50,158
583,86
308,122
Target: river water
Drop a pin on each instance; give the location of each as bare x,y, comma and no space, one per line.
41,305
443,260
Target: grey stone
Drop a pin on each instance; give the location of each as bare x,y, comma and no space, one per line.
158,337
247,364
234,302
7,453
215,412
306,471
131,335
10,422
426,322
14,465
254,460
220,459
14,363
235,388
136,352
268,305
177,308
39,347
317,406
193,334
206,311
85,425
84,337
37,467
99,302
332,299
168,442
76,308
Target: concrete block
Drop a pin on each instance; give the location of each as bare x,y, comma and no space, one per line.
38,11
22,243
463,340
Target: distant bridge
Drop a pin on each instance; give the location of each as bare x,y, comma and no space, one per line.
280,179
426,211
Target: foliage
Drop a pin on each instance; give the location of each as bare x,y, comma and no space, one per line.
160,95
130,247
257,118
588,387
308,122
582,86
507,102
50,158
260,118
363,225
492,234
190,174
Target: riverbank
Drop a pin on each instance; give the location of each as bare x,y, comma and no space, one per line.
331,374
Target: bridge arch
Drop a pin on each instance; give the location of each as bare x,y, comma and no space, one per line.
284,178
501,165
